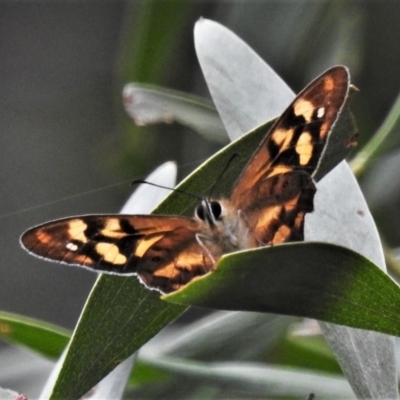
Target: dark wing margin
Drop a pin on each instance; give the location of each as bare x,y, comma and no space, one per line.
163,251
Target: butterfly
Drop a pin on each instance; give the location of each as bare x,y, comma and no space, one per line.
267,206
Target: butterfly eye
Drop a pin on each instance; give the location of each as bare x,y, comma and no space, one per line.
216,209
209,211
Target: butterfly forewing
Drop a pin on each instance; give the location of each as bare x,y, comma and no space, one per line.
161,250
299,136
276,189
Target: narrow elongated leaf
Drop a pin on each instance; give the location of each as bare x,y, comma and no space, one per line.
308,351
385,140
120,315
238,77
360,353
258,379
148,105
315,280
23,371
43,338
7,394
236,336
127,315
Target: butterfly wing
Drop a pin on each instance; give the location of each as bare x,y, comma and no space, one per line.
276,188
271,198
162,250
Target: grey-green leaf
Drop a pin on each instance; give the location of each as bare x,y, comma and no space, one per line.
257,379
148,105
235,105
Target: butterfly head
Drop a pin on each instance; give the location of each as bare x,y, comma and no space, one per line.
209,211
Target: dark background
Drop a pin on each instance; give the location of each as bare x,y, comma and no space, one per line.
66,144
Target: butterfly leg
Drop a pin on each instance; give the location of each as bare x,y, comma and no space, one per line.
204,247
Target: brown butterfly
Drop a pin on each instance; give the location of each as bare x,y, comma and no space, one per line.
267,206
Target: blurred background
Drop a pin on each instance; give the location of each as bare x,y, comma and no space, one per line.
68,147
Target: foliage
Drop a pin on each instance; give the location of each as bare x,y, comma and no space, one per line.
229,353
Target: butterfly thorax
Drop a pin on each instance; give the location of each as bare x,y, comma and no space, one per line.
223,230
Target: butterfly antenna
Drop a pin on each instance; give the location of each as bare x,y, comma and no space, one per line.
233,156
139,181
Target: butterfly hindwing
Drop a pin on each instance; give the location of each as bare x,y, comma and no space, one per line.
162,250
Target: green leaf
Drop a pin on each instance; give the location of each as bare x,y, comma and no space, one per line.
144,373
247,336
152,29
121,315
43,338
384,140
236,335
151,32
309,351
314,280
244,336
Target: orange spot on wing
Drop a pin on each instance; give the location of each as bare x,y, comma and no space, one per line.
329,83
304,148
44,237
282,137
282,235
304,108
110,253
76,229
113,229
146,243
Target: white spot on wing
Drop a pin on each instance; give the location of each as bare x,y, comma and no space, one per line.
71,246
321,112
